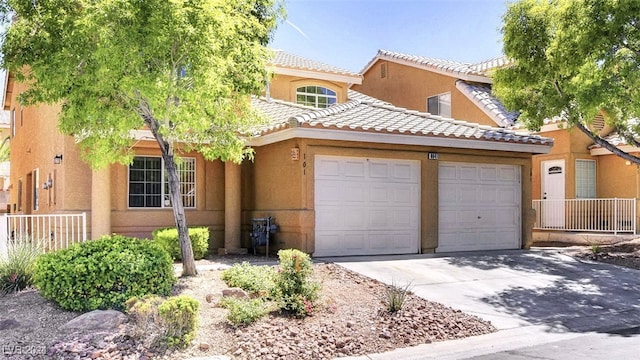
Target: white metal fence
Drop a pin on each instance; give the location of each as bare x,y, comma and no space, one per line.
594,215
52,232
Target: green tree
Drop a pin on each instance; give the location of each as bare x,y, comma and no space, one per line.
184,69
5,150
572,59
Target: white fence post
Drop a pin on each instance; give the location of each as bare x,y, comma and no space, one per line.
4,235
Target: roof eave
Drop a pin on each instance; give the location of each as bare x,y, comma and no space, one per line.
435,69
596,151
397,139
493,116
349,79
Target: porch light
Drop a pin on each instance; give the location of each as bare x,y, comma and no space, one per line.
57,159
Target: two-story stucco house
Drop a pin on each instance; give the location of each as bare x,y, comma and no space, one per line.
342,173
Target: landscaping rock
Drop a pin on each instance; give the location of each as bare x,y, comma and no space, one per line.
235,292
96,320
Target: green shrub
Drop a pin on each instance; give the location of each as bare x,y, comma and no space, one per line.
250,278
395,296
179,315
168,322
168,239
245,311
16,266
104,273
293,290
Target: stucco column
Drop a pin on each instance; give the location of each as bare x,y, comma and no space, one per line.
232,209
100,202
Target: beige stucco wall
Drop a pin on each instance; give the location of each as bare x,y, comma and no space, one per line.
569,145
616,178
209,209
284,188
409,87
36,142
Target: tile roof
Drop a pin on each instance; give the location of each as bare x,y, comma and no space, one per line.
482,69
481,95
361,115
284,59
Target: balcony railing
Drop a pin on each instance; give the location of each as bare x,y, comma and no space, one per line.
592,215
50,232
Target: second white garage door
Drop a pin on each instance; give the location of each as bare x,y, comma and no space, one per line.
366,206
479,207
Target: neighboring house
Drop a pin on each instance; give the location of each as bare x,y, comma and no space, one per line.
440,87
573,169
342,173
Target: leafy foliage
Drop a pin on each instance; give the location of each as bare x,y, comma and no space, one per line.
168,239
294,291
104,273
170,322
245,311
572,59
17,265
182,68
254,279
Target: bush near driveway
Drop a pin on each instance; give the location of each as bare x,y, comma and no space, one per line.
104,273
289,289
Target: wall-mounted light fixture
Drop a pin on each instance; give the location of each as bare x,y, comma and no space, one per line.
295,154
57,159
47,184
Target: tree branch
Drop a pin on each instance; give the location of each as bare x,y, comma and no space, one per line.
607,145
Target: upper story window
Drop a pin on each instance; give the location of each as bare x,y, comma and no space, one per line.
149,186
316,96
439,105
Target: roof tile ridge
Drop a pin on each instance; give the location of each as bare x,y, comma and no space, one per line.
299,119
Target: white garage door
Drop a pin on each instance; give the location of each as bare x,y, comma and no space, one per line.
366,206
479,207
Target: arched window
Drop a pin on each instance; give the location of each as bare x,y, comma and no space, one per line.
316,96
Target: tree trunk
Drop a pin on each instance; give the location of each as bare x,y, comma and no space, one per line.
188,262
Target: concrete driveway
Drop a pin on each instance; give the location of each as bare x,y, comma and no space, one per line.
515,289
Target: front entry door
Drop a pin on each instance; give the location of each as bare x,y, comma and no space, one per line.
553,177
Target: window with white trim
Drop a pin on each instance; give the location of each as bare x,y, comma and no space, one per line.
316,96
12,118
585,179
439,105
149,186
36,189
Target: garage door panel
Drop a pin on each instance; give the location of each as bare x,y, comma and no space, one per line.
467,173
404,172
354,241
327,168
486,211
508,175
354,169
378,213
328,242
447,172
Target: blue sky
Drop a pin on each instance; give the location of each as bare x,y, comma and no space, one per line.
348,33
